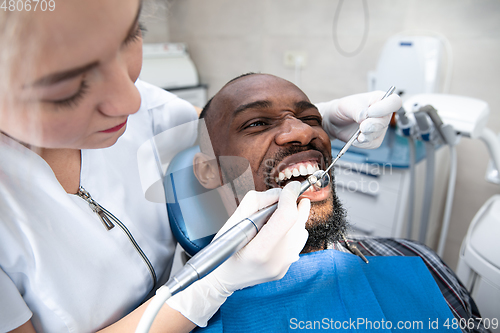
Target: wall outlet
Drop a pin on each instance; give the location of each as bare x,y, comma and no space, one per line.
294,59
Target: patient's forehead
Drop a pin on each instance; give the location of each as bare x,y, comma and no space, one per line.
248,89
256,87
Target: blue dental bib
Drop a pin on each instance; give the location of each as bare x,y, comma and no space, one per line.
332,290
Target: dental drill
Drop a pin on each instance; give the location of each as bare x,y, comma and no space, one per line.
218,251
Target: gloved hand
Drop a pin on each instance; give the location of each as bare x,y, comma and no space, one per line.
266,258
341,117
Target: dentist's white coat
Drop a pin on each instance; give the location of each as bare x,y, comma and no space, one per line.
59,265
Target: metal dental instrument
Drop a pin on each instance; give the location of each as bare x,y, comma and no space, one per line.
354,249
355,135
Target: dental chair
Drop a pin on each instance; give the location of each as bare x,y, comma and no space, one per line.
193,228
479,262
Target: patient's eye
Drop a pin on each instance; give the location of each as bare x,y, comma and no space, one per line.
255,126
257,123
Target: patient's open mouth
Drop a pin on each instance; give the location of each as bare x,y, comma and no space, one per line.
298,167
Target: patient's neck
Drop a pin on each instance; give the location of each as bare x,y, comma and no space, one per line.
309,248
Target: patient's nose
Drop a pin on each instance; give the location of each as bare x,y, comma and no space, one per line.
295,131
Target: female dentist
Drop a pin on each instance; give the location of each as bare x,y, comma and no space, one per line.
81,249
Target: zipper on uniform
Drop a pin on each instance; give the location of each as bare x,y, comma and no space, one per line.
107,219
96,208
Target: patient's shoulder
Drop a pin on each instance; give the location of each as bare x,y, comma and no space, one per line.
380,246
456,295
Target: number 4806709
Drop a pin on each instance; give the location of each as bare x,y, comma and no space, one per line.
28,5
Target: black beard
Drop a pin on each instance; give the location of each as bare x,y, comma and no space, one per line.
325,227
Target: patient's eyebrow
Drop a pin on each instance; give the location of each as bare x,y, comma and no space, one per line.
254,105
304,105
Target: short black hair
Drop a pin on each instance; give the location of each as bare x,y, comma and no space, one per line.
204,133
205,109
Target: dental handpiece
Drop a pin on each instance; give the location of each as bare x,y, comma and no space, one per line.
355,135
219,250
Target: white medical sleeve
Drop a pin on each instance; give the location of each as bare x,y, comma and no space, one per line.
13,310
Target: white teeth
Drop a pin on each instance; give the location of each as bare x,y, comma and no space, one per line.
310,169
276,179
302,170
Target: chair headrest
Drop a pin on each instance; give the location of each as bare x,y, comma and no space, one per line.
195,213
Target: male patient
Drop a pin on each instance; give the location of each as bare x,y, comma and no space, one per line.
272,124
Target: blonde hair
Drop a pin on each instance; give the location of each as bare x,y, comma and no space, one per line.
18,43
5,54
14,46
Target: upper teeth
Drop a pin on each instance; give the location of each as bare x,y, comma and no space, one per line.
302,169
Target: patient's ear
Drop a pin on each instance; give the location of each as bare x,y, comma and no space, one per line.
206,170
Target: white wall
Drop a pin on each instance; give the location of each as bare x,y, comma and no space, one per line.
230,37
